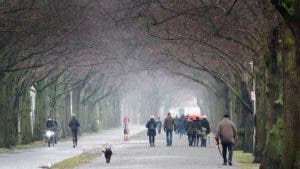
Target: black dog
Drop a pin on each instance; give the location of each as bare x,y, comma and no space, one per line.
107,154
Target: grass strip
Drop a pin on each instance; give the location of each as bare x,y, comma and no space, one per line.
23,146
88,156
76,161
245,160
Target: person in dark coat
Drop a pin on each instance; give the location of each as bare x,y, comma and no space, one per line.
197,125
49,123
191,131
169,127
205,124
176,121
159,125
74,125
226,134
181,125
151,126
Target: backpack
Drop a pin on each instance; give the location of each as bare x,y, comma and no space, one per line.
152,127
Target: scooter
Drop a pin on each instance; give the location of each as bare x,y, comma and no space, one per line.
50,137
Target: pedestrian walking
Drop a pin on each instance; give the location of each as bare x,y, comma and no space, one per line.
205,124
126,121
151,126
203,136
181,128
159,125
74,125
197,125
126,133
169,126
191,131
176,121
226,133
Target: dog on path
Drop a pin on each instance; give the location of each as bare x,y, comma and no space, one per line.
107,154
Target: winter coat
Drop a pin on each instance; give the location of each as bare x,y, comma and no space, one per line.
205,124
159,124
74,124
151,125
176,121
181,121
55,125
169,123
49,124
190,128
226,131
197,125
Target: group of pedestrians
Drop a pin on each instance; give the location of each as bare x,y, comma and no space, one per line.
168,126
196,129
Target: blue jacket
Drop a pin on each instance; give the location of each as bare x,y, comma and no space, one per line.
159,124
151,125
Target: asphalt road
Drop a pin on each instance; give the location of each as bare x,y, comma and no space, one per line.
136,154
44,156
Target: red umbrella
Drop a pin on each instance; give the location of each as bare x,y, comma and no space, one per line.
194,116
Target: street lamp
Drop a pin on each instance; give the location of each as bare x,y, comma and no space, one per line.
253,98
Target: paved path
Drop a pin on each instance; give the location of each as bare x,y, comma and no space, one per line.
38,157
136,154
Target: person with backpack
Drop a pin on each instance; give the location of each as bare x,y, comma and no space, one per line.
151,126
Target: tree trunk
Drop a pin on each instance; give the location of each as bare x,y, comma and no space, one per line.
42,111
291,97
9,118
24,112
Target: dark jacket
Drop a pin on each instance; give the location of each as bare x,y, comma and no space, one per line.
151,125
169,123
181,121
55,125
49,124
197,124
74,124
205,124
190,128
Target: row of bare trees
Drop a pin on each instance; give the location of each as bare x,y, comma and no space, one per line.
215,43
80,53
56,48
